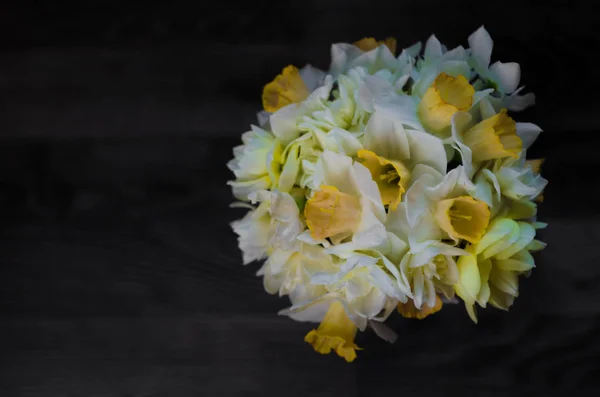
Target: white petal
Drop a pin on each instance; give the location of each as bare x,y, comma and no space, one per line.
506,75
528,132
497,231
401,108
413,50
241,190
284,122
290,169
341,55
417,203
363,182
309,312
460,122
481,45
485,108
427,149
386,137
336,170
433,48
371,89
312,77
526,235
263,117
345,142
383,331
516,103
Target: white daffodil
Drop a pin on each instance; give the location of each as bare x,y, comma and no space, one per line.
291,86
392,152
441,208
368,54
341,110
256,163
487,136
355,295
436,60
274,224
427,267
493,153
346,210
504,77
491,272
288,271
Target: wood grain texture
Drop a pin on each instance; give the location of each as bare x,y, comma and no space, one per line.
119,275
162,71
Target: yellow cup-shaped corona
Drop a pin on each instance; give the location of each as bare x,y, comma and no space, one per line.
463,218
285,89
391,176
494,138
409,310
369,43
336,332
446,96
331,213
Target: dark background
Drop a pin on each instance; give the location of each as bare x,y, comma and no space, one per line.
119,275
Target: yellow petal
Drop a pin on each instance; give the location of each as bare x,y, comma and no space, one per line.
287,88
332,213
463,217
391,176
446,96
409,310
336,332
369,43
494,138
469,282
521,209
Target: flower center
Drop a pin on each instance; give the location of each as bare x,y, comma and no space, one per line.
463,218
331,213
446,96
391,176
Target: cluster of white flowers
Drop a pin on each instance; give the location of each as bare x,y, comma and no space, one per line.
389,183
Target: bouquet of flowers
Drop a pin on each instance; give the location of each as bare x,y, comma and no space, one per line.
389,183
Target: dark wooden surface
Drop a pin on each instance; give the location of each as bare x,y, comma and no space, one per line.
119,275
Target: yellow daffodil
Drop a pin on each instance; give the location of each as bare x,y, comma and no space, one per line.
275,223
346,208
369,43
331,213
287,271
287,88
494,138
446,96
391,176
463,217
336,332
490,273
257,163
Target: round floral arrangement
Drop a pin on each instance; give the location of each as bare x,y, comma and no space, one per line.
389,183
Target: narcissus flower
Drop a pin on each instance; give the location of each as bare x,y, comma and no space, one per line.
446,96
336,332
390,185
